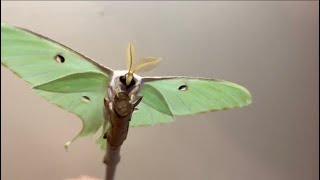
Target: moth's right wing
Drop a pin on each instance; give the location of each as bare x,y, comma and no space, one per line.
167,97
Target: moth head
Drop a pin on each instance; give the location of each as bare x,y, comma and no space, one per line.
128,80
142,65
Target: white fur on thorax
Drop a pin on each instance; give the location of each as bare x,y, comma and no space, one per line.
115,83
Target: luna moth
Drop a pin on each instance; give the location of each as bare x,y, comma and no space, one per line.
78,84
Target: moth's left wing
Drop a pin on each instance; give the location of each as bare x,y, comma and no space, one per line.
59,74
187,96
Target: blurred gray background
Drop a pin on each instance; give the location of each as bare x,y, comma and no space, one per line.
269,47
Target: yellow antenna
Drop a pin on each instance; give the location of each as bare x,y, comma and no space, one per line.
130,54
146,64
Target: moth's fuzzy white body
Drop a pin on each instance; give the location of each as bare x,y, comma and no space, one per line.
116,85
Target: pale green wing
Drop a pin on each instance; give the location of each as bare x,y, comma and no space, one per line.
86,105
37,59
58,73
153,109
188,96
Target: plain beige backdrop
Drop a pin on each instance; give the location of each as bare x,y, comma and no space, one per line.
269,47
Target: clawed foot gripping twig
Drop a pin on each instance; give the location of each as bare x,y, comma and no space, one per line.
119,113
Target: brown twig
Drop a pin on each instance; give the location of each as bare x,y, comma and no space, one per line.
118,113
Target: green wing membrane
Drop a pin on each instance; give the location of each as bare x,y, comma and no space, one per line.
90,111
153,109
59,74
35,58
188,96
78,82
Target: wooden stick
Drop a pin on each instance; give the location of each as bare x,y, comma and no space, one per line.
119,114
112,158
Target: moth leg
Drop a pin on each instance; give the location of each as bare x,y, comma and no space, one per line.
135,100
